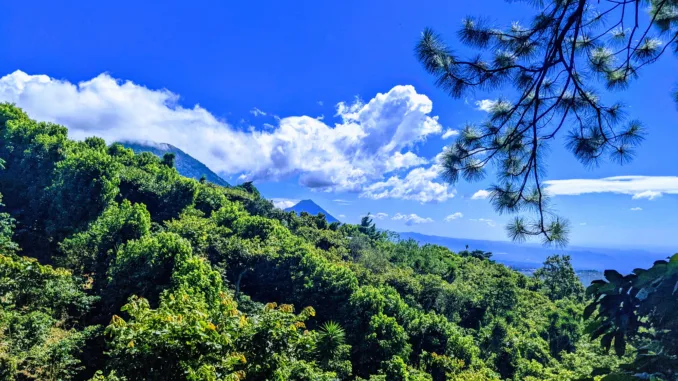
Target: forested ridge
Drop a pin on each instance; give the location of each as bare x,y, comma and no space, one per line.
115,267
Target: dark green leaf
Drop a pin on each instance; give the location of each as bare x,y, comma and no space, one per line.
619,344
613,276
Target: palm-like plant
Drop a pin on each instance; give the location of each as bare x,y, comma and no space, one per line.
331,337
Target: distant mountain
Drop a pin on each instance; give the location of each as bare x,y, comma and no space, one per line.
185,164
312,208
531,256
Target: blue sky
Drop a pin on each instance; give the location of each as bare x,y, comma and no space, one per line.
269,77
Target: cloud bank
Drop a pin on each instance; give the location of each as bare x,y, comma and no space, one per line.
370,142
639,187
487,221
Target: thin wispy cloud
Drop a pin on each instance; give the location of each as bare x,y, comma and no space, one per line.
342,202
411,219
256,112
487,221
650,195
454,216
639,187
380,216
637,209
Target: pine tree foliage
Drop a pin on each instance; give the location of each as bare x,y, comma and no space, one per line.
554,73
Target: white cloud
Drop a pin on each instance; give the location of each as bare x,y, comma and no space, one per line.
283,203
637,209
370,139
380,216
454,216
649,187
406,160
342,216
411,219
342,202
487,221
650,195
450,133
256,112
419,185
582,224
480,195
486,104
320,103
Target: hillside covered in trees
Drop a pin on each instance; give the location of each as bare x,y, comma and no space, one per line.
115,267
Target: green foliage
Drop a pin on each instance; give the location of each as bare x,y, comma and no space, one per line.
168,159
87,175
39,309
476,254
157,186
638,310
91,251
194,281
559,279
181,340
144,267
6,232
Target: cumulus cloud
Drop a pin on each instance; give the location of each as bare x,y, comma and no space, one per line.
486,104
256,112
420,184
454,216
637,209
380,216
370,140
406,160
640,187
411,219
284,203
450,133
480,195
487,221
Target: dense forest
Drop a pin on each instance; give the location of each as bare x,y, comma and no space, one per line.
115,267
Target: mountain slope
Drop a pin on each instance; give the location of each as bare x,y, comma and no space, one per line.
186,164
311,208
